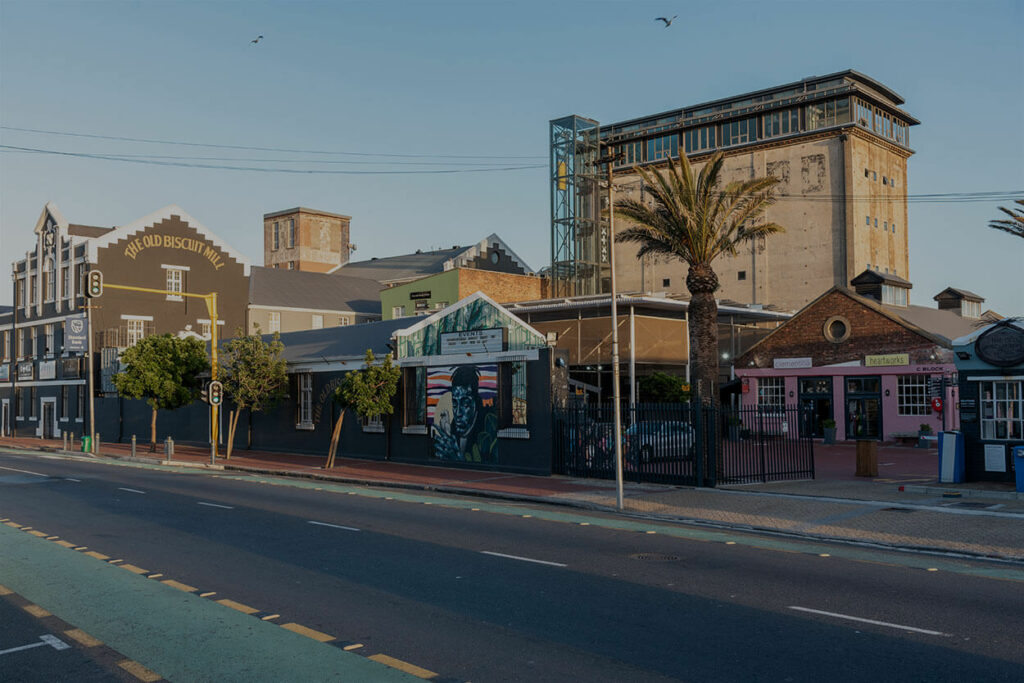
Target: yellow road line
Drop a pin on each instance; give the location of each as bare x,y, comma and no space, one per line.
269,617
98,556
353,646
139,671
180,586
52,538
82,637
36,532
408,668
244,609
12,525
308,632
133,569
154,576
207,594
65,544
36,611
4,590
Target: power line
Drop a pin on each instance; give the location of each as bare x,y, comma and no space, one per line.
267,149
259,169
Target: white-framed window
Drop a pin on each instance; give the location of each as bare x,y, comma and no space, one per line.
65,282
374,424
36,335
344,320
80,408
20,294
48,334
398,311
896,296
135,330
274,322
912,395
175,282
5,341
276,236
1002,410
970,309
305,381
31,290
291,232
318,321
49,281
19,343
204,329
64,391
771,393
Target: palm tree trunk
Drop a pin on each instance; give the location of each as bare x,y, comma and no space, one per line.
703,323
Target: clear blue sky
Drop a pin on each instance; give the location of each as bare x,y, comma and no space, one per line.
476,78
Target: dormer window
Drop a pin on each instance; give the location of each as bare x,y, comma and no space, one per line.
970,309
894,296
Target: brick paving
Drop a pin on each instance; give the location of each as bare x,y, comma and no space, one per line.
903,507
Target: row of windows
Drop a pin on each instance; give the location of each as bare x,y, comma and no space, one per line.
316,321
873,175
289,265
912,394
886,225
283,233
49,285
26,403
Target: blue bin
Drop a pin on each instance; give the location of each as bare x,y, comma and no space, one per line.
1018,467
951,458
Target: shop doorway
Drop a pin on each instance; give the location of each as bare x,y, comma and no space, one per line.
48,419
863,408
5,419
815,405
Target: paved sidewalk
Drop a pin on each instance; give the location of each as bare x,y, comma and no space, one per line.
905,507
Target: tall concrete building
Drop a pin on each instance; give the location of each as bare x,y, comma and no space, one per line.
305,239
839,145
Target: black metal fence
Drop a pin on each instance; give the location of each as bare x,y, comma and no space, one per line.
683,443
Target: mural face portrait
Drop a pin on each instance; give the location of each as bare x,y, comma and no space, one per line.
461,412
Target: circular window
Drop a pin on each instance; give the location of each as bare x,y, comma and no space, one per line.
837,329
494,257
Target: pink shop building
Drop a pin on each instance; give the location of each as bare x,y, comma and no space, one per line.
865,359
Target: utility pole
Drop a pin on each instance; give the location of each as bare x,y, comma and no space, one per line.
91,366
609,160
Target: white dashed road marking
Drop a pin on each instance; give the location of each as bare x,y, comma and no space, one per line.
523,559
869,621
334,526
121,488
214,505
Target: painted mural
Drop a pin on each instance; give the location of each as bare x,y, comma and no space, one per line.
462,412
474,314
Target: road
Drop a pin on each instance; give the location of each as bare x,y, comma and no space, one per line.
475,589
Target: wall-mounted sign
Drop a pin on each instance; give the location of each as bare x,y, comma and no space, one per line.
419,295
887,360
174,242
26,371
48,369
995,458
473,341
71,368
789,363
1002,345
76,334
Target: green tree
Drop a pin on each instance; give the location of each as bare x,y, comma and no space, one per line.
368,392
164,370
661,387
254,375
696,220
1015,224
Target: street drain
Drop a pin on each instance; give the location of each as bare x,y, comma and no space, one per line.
655,557
897,510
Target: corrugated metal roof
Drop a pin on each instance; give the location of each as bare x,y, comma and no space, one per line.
345,342
302,289
403,267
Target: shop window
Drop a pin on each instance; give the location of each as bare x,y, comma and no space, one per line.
912,395
32,395
414,398
1002,410
374,424
771,393
512,398
304,407
863,385
18,412
80,409
64,391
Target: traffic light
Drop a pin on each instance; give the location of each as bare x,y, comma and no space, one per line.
94,286
215,393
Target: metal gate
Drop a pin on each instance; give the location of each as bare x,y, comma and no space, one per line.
683,443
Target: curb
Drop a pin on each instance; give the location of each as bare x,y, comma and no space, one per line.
965,493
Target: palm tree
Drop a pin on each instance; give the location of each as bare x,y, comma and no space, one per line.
696,220
1015,225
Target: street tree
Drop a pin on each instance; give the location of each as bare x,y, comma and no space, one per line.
696,219
1015,224
254,375
368,391
662,387
163,370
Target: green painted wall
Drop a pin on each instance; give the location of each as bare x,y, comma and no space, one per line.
443,288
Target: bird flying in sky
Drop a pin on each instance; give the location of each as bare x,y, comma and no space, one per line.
259,38
668,22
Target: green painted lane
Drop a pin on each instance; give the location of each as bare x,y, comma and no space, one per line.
176,634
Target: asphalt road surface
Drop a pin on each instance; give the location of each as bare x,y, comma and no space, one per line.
478,590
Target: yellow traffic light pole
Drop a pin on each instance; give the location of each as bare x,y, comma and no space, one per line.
211,306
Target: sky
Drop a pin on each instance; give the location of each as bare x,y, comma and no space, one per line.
389,93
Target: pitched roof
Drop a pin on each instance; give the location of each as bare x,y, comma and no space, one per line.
960,293
873,276
302,289
87,230
947,324
345,342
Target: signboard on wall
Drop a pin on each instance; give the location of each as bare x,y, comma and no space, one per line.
995,458
48,369
419,295
5,373
473,341
76,334
887,360
789,363
25,371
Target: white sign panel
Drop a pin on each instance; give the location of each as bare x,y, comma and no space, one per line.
48,369
995,458
473,341
789,363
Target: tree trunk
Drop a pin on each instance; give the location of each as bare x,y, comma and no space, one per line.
703,323
335,436
232,425
152,433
